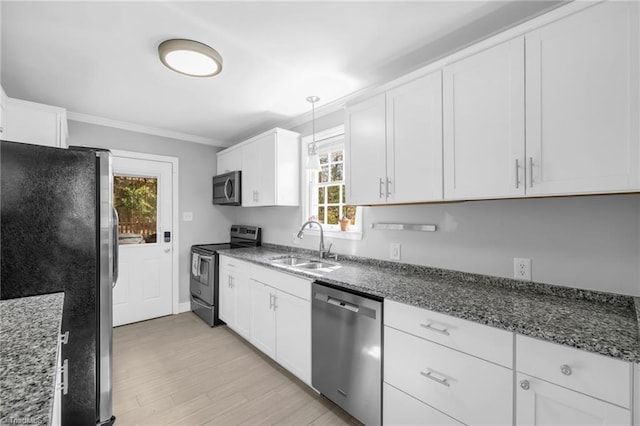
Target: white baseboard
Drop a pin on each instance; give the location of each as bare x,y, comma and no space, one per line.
184,307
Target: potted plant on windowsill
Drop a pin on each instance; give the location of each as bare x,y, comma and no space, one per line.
344,223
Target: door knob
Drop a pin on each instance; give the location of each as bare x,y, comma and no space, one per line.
524,384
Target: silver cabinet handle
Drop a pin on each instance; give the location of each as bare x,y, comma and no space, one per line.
272,301
64,386
230,281
566,370
524,384
517,173
387,185
437,330
381,184
64,338
429,375
530,172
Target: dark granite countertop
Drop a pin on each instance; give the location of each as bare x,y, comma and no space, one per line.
599,322
29,329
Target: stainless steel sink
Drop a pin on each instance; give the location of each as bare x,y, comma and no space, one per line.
316,265
291,261
302,264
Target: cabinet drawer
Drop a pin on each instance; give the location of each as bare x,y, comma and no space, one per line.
480,340
469,389
402,409
284,282
596,375
232,264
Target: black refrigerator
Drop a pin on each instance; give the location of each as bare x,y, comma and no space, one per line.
58,233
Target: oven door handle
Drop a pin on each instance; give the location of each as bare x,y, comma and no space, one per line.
197,302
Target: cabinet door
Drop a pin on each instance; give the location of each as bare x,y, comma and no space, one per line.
582,102
259,172
542,403
365,130
263,319
33,123
484,124
229,161
242,288
293,335
227,303
414,140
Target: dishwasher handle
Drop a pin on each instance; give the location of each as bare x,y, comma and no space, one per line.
342,304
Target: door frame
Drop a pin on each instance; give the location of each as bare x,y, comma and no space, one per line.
175,246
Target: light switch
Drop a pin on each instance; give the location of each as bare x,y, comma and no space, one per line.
187,216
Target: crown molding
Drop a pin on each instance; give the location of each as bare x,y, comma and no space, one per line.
139,128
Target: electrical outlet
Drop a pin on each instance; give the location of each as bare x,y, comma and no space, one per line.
394,251
522,269
187,216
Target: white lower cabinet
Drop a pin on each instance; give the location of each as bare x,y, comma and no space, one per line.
281,321
401,409
560,385
263,318
448,380
234,307
542,403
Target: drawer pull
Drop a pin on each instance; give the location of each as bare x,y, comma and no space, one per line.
565,369
437,330
429,375
524,384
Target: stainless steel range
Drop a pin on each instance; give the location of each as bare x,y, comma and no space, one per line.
204,270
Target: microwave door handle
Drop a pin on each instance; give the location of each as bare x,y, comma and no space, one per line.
226,183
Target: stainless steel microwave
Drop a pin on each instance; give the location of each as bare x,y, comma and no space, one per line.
227,189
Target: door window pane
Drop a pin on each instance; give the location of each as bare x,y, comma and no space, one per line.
135,199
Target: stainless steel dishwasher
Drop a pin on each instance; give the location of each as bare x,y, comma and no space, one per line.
346,336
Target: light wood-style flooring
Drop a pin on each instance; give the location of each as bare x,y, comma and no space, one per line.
178,370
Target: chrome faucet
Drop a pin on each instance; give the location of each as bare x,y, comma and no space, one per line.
322,253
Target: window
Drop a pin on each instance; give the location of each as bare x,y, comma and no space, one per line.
135,199
326,199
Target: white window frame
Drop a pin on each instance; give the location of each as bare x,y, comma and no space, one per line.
329,136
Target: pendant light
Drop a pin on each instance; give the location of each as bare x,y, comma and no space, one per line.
190,57
313,159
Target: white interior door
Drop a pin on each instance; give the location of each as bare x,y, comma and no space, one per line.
143,197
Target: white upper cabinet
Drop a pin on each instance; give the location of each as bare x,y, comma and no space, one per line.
271,169
34,123
365,130
229,160
484,124
414,141
394,145
582,102
547,108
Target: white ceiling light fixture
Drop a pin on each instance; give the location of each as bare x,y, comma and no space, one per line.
190,57
313,158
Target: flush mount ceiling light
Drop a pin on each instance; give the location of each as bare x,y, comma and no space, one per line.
190,58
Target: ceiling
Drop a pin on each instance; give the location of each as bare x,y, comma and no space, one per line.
99,58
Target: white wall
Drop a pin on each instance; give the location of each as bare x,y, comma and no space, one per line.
197,165
585,242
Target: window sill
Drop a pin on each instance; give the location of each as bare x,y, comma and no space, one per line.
344,235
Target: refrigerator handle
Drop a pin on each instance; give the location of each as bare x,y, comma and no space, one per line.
116,249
